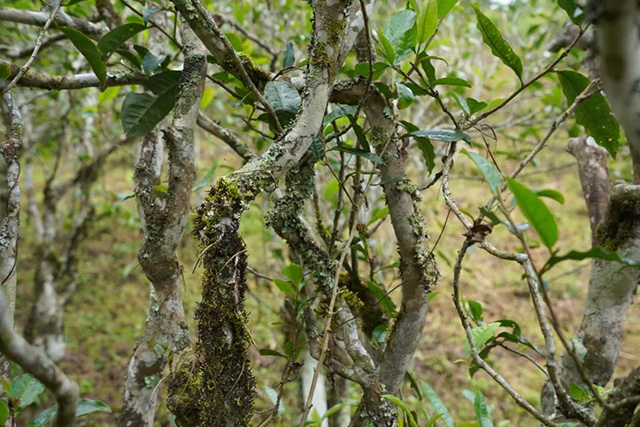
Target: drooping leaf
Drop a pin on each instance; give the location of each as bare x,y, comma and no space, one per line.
424,145
387,50
89,406
115,38
536,212
163,82
402,406
444,6
427,21
108,94
437,404
141,112
488,169
595,252
594,113
269,352
284,98
131,58
151,62
89,50
25,388
4,412
405,96
401,32
288,56
444,135
499,46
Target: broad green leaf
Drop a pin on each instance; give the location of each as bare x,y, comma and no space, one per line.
437,404
286,287
131,58
475,106
358,152
575,12
89,50
444,135
579,393
387,49
594,113
207,97
536,212
482,334
284,98
499,46
476,310
141,112
444,6
288,56
401,33
405,96
427,21
551,194
424,145
383,299
379,334
488,169
402,406
43,418
25,388
483,411
108,94
163,82
451,81
273,396
294,273
4,412
595,252
111,41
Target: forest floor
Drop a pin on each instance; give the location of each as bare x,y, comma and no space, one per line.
106,316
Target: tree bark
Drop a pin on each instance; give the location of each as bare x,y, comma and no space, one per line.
166,333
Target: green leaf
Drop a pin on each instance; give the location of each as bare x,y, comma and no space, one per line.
482,334
551,194
286,287
536,212
499,46
595,252
488,169
115,38
4,412
444,6
131,58
163,82
401,33
294,273
269,352
379,214
402,406
5,72
476,310
405,96
288,56
284,98
475,106
89,50
108,94
444,135
43,418
594,113
358,152
339,112
437,404
141,112
575,12
451,81
483,412
379,334
388,51
25,388
427,21
206,180
383,299
424,145
273,396
89,406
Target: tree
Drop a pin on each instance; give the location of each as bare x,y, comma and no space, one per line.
377,110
